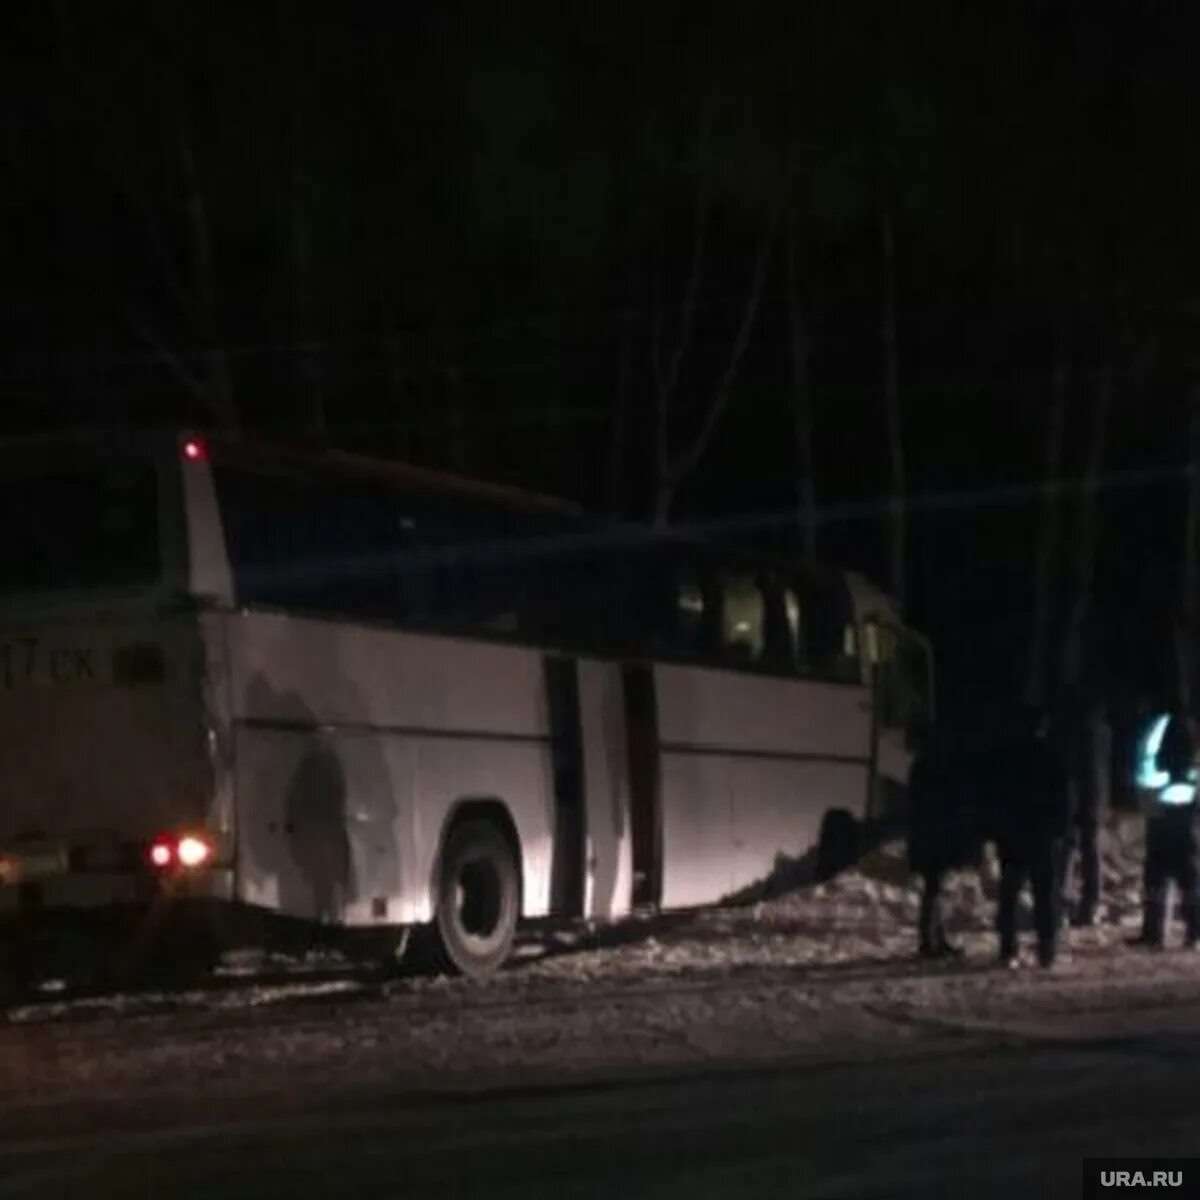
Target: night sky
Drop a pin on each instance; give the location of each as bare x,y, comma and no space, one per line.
464,235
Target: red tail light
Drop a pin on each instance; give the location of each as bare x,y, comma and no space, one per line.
184,851
161,854
192,851
195,450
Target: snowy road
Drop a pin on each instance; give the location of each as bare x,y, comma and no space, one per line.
789,1049
967,1116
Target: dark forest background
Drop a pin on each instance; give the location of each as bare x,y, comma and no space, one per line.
913,292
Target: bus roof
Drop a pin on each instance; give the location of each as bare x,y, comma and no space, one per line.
282,454
253,450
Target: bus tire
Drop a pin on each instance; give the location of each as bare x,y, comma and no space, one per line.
478,899
839,843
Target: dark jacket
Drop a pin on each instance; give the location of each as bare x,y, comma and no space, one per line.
1033,797
944,830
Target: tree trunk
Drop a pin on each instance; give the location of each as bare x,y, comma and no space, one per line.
556,423
620,416
1086,534
802,406
397,378
1186,626
306,355
681,465
666,374
1049,532
458,450
892,415
218,382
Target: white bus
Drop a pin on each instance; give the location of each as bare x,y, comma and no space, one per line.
239,681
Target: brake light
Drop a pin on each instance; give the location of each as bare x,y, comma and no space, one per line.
193,852
194,450
186,851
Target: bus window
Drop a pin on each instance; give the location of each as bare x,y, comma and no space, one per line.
830,636
690,614
915,671
795,629
331,545
742,619
849,641
674,612
782,625
903,676
472,588
575,593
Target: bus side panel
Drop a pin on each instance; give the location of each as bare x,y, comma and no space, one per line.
695,798
822,765
324,832
751,765
609,891
217,720
778,810
451,771
768,714
697,828
408,727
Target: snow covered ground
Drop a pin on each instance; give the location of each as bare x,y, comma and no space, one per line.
633,1048
824,971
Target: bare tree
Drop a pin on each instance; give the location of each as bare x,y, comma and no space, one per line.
458,442
666,366
892,414
675,464
1087,525
620,416
182,221
205,372
1049,533
802,401
397,377
218,380
300,235
1185,628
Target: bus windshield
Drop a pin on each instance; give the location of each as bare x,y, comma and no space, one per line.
79,528
903,672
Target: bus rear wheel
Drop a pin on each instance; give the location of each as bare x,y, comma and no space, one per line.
478,899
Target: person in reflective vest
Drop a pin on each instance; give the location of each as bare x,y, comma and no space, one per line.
1166,781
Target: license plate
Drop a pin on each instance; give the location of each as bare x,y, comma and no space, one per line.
31,662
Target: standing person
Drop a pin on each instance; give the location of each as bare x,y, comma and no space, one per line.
940,837
1032,824
1089,749
1169,800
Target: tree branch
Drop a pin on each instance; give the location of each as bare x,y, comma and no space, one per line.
1050,528
189,379
219,393
1085,542
892,416
802,415
669,381
687,460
